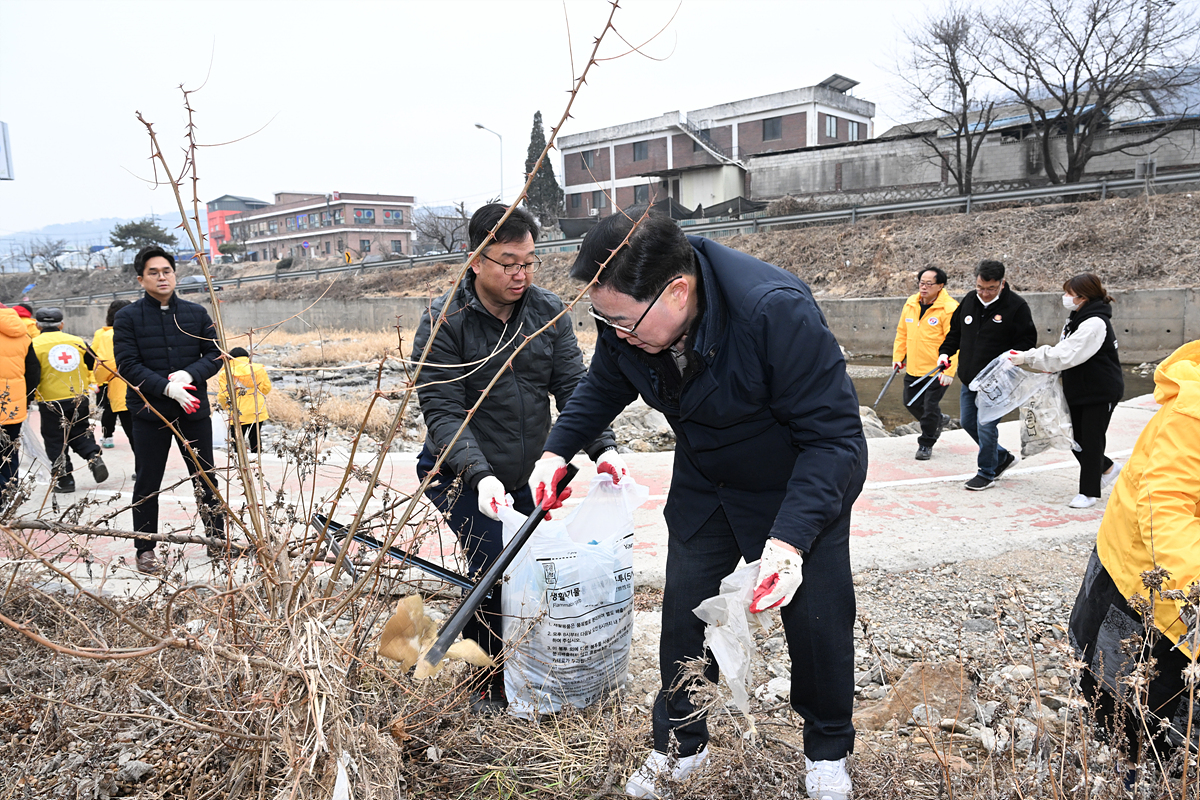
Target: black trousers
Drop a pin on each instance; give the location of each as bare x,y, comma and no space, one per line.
10,458
818,625
151,446
927,410
481,539
250,429
109,418
65,426
1090,426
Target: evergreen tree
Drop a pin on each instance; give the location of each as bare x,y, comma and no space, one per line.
141,233
545,197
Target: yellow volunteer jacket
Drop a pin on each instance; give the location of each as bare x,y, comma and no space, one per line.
64,375
251,387
102,346
918,338
31,328
14,344
1153,515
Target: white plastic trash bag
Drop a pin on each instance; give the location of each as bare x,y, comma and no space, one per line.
568,602
33,456
1002,387
1046,421
727,631
220,430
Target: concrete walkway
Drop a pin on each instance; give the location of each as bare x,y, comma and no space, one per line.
911,513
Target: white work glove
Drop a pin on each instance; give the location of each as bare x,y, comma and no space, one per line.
613,464
945,380
779,576
492,496
547,472
943,361
1016,357
180,394
897,366
181,376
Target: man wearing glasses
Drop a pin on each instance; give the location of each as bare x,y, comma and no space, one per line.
769,458
989,321
922,327
492,313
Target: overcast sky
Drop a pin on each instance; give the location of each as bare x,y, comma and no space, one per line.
381,97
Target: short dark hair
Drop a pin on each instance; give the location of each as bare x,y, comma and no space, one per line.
113,308
1087,286
939,274
521,222
990,270
239,352
147,253
657,251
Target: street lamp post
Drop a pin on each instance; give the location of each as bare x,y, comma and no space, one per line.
501,138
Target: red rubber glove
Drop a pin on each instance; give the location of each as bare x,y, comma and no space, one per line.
613,464
547,473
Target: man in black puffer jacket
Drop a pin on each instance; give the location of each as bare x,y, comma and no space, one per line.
492,313
989,321
166,350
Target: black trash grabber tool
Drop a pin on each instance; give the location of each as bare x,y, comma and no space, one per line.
458,619
932,376
337,531
895,372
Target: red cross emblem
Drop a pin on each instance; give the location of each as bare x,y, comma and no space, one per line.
63,358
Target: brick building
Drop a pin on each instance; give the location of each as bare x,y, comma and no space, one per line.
219,211
697,158
325,225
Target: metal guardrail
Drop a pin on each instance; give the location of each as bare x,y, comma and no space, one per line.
714,230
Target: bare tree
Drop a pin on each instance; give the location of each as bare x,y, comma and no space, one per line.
44,250
1081,66
947,89
442,228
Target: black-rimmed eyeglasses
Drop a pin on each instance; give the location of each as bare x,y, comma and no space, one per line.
622,328
512,269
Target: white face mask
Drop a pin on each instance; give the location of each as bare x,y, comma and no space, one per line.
1068,302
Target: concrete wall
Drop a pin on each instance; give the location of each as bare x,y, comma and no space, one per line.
1149,324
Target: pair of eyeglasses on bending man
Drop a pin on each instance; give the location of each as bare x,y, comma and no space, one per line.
622,328
512,269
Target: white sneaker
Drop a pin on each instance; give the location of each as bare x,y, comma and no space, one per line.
827,780
107,442
1108,479
642,782
1082,501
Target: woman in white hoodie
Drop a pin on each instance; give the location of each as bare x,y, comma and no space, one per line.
1091,377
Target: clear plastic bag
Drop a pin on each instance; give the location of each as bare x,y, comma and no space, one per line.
568,602
1046,421
1002,386
727,631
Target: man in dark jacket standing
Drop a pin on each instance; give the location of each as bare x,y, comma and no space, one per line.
166,350
493,311
769,458
989,321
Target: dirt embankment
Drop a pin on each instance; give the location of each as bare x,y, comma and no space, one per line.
1131,243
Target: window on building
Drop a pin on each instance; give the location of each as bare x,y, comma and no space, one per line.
326,219
328,247
852,130
772,128
364,245
830,126
339,216
588,157
641,151
576,200
395,217
364,216
398,246
290,222
302,222
641,194
341,246
599,200
273,226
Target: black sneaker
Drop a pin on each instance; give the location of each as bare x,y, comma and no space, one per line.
64,485
923,453
489,700
1009,460
99,471
979,483
943,423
